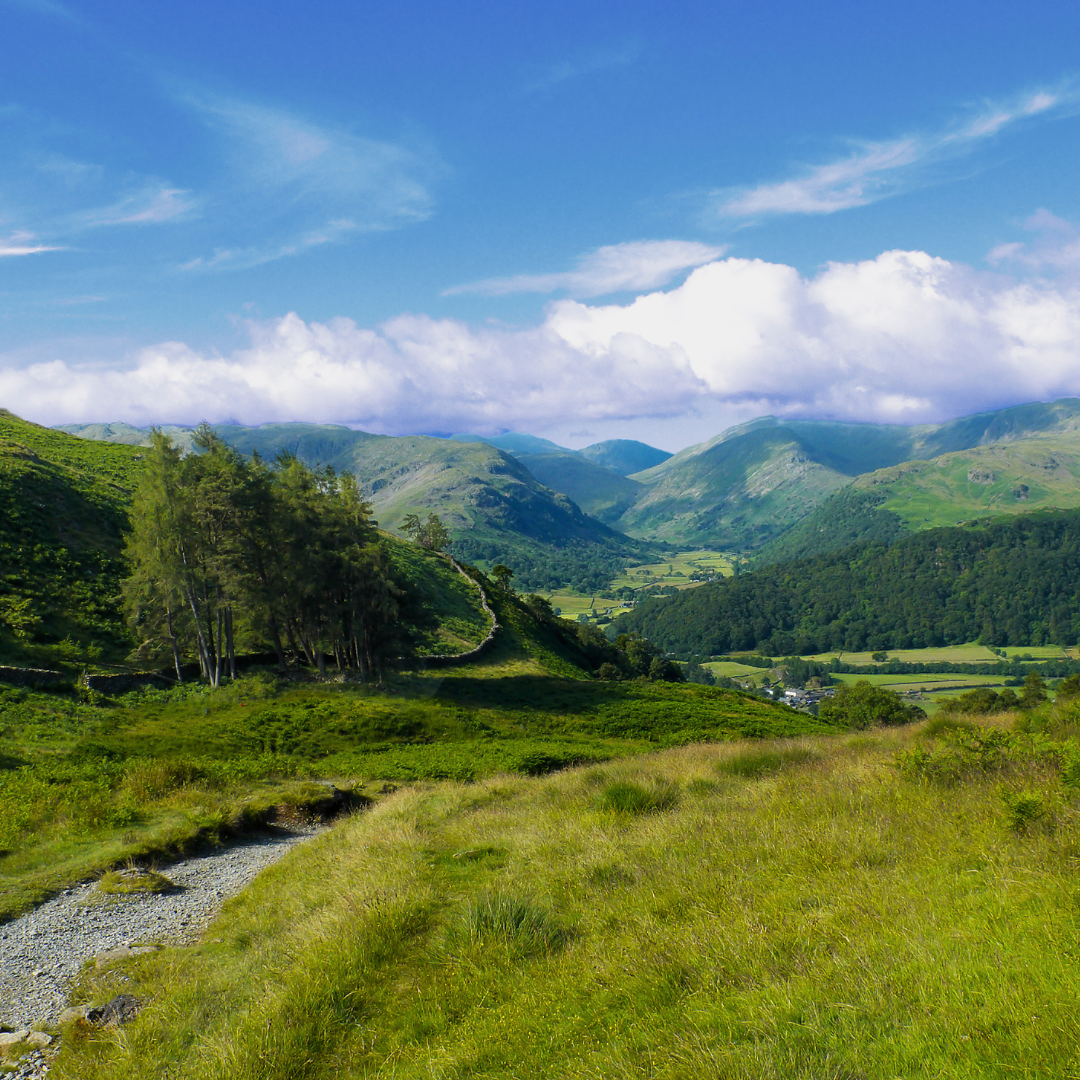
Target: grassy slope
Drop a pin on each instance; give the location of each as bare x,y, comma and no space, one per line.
85,786
1008,478
803,911
63,503
1027,474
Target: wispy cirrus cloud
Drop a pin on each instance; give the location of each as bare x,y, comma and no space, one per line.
152,205
289,184
588,63
22,243
1055,249
876,170
47,7
633,267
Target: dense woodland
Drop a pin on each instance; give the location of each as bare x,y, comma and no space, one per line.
1006,583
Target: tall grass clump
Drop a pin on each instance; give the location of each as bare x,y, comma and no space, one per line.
754,764
523,927
628,797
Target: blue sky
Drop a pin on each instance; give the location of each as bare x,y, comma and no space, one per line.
582,220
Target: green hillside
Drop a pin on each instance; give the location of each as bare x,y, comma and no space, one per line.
1009,582
1035,473
600,492
1008,478
752,483
64,507
736,492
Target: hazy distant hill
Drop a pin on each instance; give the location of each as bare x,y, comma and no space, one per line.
625,456
604,494
516,443
752,484
783,488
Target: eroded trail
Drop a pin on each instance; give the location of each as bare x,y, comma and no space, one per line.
42,952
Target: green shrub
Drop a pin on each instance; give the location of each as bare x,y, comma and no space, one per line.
865,705
1023,809
628,798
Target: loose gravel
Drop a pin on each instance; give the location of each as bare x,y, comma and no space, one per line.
42,952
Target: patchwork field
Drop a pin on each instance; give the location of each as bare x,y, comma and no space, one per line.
678,569
949,654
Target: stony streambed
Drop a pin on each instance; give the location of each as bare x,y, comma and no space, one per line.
42,952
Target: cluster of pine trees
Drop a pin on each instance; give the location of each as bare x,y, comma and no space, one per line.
227,549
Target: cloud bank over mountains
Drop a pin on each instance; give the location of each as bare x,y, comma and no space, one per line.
904,337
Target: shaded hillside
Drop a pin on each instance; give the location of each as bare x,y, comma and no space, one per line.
64,507
1010,582
625,456
601,492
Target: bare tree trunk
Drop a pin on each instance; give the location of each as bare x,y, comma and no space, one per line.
172,642
275,636
204,652
220,645
231,641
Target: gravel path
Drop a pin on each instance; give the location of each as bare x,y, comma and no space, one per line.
42,952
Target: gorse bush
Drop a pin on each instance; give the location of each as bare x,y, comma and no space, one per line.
627,797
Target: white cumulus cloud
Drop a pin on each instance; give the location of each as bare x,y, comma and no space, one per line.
904,337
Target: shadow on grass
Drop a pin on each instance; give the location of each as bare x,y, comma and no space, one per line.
9,762
539,693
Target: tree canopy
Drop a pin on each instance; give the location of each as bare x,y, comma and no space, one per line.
225,547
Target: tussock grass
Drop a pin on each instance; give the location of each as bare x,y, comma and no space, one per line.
522,926
841,917
626,797
134,880
753,764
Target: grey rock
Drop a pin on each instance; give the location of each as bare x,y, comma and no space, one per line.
120,1010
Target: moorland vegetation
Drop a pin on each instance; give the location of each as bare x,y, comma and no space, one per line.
897,902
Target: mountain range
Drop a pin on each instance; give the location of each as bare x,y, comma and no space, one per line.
773,488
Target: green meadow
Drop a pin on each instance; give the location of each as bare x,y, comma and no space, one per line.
897,902
87,782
